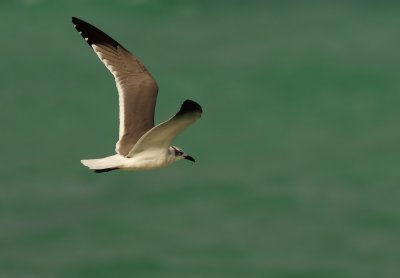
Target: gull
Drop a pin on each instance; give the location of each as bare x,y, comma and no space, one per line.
141,145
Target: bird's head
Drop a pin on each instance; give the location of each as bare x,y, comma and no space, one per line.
178,154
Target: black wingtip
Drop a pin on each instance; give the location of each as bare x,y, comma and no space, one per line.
189,106
93,35
105,170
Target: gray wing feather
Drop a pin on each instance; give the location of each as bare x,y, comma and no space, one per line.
161,136
137,89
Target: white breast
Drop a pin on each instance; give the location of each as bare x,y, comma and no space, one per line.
147,160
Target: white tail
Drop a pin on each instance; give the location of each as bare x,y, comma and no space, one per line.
104,164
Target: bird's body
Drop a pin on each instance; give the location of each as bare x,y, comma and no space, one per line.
141,145
147,160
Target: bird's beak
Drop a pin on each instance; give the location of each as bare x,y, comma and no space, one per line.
188,157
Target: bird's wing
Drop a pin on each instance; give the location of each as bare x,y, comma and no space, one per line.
162,135
136,87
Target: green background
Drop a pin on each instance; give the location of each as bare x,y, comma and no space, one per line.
297,171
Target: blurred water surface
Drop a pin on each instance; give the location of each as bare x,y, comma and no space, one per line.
297,151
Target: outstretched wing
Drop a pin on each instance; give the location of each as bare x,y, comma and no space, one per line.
162,135
136,87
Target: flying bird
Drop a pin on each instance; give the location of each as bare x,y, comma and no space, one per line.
141,145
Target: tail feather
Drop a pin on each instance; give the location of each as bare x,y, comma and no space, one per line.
104,164
105,170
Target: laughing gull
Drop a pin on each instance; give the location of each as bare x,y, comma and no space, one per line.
141,145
